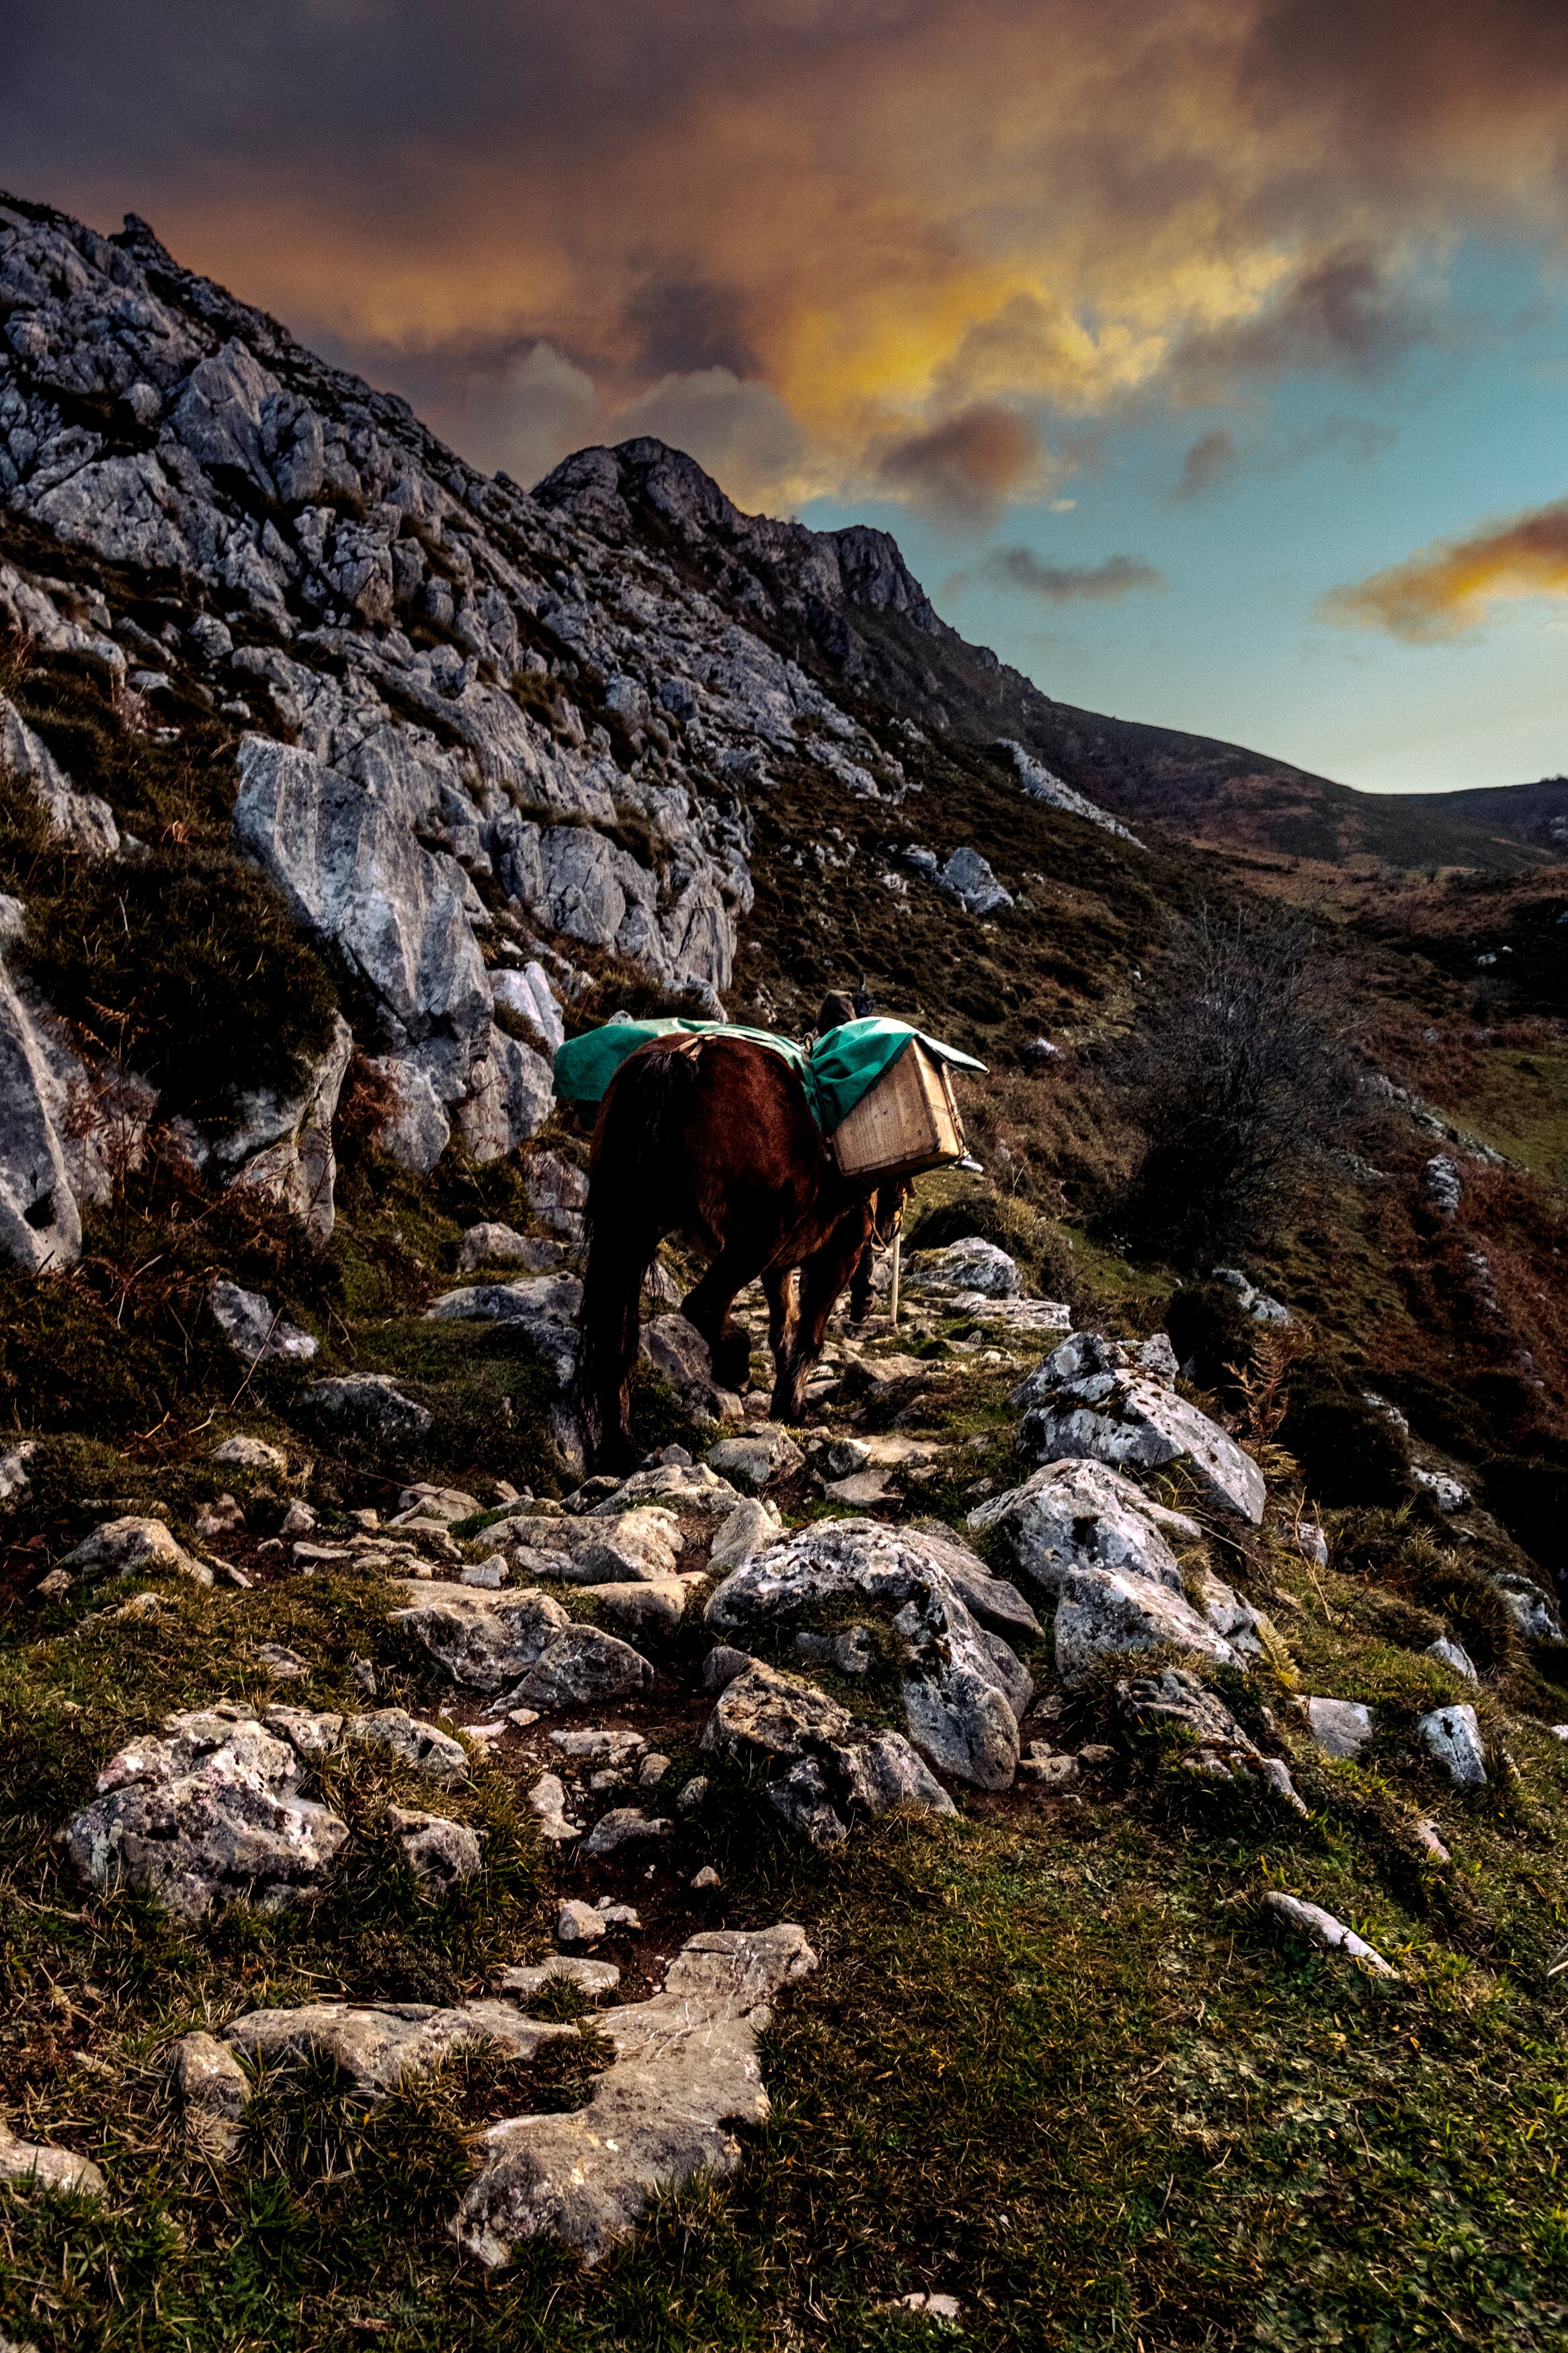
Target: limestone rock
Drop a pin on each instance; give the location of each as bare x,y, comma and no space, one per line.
441,1854
1453,1736
642,1545
485,1640
40,1226
206,1815
254,1329
1341,1727
557,1191
578,1924
1326,1930
622,1826
1443,1185
579,1666
680,1486
369,1405
1534,1611
544,1306
590,1977
1131,1419
1081,1513
131,1547
27,2165
243,1454
283,1147
1255,1305
379,2048
678,1350
686,2070
649,1610
1453,1654
766,1452
745,1531
1214,1746
965,1689
498,1245
1105,1611
1449,1494
424,1748
971,1265
832,1766
548,1799
81,820
212,2089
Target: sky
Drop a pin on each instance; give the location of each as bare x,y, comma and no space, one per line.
1208,358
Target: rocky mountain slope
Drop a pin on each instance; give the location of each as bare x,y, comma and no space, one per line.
1065,1845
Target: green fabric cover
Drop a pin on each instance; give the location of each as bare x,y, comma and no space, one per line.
843,1066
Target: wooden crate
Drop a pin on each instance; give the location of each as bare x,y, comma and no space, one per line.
907,1122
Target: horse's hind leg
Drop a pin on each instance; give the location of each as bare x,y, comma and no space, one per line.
821,1279
707,1307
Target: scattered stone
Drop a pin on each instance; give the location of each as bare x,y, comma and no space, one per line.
853,1652
548,1798
578,1666
744,1531
765,1454
1429,1840
693,1795
498,1245
964,1689
623,1826
682,1487
255,1330
441,1854
489,1575
617,1915
1453,1736
590,1977
723,1664
207,1815
592,1747
482,1638
1531,1608
424,1748
1041,1765
652,1769
284,1665
1328,1931
220,1519
578,1924
557,1192
1341,1727
1449,1494
369,1405
381,2049
861,1489
308,1734
705,1879
1443,1185
14,1474
1310,1543
1078,1513
212,2089
1453,1654
686,2070
1255,1305
27,2165
933,2304
443,1506
835,1766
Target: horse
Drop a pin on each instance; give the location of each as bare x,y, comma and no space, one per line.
712,1138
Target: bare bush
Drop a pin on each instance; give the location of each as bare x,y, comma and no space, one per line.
1240,1078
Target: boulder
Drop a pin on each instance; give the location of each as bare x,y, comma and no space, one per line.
242,1453
970,880
255,1330
1081,1513
743,1532
680,1486
206,1815
369,1406
647,1611
579,1666
1103,1612
643,1544
441,1854
832,1767
965,1689
970,1265
1453,1736
1133,1421
546,1306
132,1546
766,1452
684,2073
484,1640
282,1146
1341,1727
578,1924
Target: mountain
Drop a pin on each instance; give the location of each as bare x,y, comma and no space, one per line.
848,597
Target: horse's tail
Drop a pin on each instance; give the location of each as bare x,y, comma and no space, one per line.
637,1186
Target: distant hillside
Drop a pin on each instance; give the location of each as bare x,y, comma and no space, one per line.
848,597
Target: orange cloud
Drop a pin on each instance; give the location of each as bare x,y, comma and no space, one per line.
1448,589
964,469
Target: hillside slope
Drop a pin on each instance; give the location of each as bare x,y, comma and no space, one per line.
846,1879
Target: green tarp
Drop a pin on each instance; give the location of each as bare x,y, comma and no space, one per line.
843,1065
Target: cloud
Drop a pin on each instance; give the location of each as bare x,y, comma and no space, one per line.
1063,583
1211,461
1447,590
889,214
964,470
539,409
743,433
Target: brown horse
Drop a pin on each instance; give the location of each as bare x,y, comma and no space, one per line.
712,1138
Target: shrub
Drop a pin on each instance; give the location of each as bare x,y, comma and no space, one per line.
1349,1451
1239,1078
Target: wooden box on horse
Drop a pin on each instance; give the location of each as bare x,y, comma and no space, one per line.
908,1123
